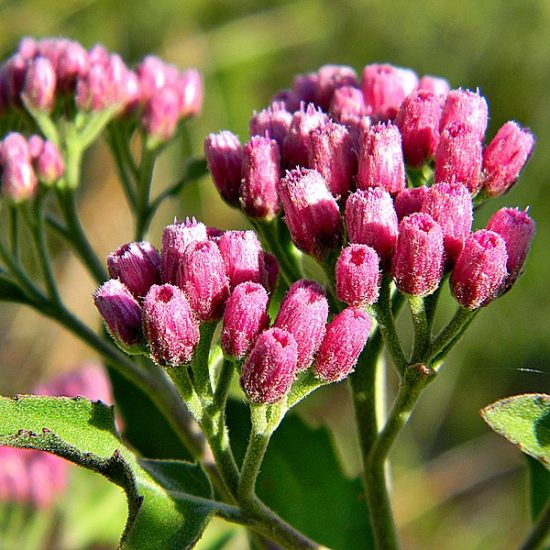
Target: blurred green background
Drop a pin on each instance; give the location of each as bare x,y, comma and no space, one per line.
455,482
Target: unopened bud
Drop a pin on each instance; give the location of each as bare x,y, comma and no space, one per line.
409,201
40,84
161,114
242,255
436,85
191,93
273,122
36,146
49,164
468,108
347,104
329,79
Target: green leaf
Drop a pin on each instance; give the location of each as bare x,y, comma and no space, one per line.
85,433
539,486
302,481
525,421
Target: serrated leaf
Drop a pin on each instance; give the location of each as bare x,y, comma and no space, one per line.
525,421
84,432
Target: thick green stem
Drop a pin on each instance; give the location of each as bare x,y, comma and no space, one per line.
199,364
124,163
420,322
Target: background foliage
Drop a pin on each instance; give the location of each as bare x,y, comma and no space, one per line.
246,51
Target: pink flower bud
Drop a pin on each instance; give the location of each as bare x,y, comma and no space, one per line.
418,260
273,122
381,159
121,313
270,272
371,220
72,63
418,122
224,155
36,146
450,205
358,275
517,229
137,265
505,157
458,156
15,70
296,145
161,114
311,212
202,277
192,93
304,313
468,108
347,104
270,369
14,147
438,86
175,239
344,340
385,87
244,318
329,79
409,201
242,255
331,154
27,48
480,269
19,181
40,84
260,178
288,98
153,75
92,89
171,330
49,164
304,87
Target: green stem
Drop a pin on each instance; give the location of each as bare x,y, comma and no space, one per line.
124,163
223,384
540,531
199,364
14,233
144,189
420,322
305,385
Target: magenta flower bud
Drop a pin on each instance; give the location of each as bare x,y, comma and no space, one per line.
517,230
419,254
202,277
92,89
480,269
36,146
331,154
15,72
468,108
358,275
40,85
385,87
122,315
381,159
175,239
344,340
450,205
435,85
137,265
98,54
296,145
244,318
288,98
161,114
371,220
71,64
270,369
304,313
273,122
49,164
19,181
14,147
171,330
311,212
242,255
123,83
154,74
304,87
270,272
27,48
418,122
224,155
409,201
329,79
458,157
192,93
347,104
261,168
505,157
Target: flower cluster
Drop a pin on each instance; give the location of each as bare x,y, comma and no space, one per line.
403,158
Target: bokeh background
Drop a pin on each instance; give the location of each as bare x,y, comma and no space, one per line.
456,483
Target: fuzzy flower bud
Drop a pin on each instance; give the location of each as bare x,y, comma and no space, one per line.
224,155
371,220
49,164
19,181
311,212
418,122
137,265
72,63
358,275
385,87
171,330
161,114
505,157
175,239
458,156
244,318
270,369
191,87
329,79
466,107
418,260
242,255
40,84
121,313
304,87
480,269
202,277
450,205
273,122
331,154
381,159
36,146
517,230
304,313
344,340
409,201
435,85
259,197
347,104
